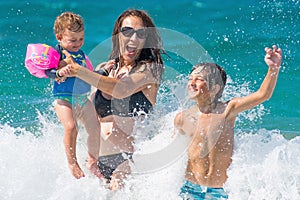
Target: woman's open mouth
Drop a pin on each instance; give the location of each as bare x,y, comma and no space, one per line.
131,50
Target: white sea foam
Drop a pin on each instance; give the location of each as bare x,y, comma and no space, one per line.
265,166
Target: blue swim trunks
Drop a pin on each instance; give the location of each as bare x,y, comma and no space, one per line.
191,191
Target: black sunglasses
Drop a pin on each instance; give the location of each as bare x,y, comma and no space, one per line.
128,32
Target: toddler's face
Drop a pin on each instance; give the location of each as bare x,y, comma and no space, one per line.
71,41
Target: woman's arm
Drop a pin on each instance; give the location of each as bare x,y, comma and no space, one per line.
118,88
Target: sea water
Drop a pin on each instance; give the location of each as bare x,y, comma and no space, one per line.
266,159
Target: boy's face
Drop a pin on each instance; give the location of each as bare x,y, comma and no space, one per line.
71,41
197,86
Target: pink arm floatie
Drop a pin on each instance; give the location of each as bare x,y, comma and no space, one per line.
89,64
40,57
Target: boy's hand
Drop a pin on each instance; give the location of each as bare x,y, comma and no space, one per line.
60,80
65,71
273,57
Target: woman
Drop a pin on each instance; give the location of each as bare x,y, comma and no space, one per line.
127,87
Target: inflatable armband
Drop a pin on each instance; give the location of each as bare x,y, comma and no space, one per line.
40,57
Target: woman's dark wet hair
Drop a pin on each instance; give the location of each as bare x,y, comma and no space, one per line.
153,47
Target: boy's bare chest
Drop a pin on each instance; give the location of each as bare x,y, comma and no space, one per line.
211,131
206,125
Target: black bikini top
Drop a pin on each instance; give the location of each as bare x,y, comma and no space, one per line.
133,105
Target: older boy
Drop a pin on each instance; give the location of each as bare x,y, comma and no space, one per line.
211,124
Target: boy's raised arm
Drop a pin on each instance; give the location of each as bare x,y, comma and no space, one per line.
273,59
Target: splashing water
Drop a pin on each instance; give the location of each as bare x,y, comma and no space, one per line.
265,165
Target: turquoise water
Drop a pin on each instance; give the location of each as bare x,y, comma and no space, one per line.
233,33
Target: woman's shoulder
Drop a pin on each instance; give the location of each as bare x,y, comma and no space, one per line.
151,68
146,66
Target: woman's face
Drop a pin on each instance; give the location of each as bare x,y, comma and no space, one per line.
132,38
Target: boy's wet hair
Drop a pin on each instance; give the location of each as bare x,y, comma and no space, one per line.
68,20
213,74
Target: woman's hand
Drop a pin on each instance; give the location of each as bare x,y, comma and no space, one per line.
62,72
74,67
109,65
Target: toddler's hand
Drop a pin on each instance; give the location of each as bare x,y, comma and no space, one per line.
65,71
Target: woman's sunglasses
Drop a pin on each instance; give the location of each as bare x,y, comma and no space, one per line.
128,32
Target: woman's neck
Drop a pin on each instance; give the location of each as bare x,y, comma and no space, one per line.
124,62
128,64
